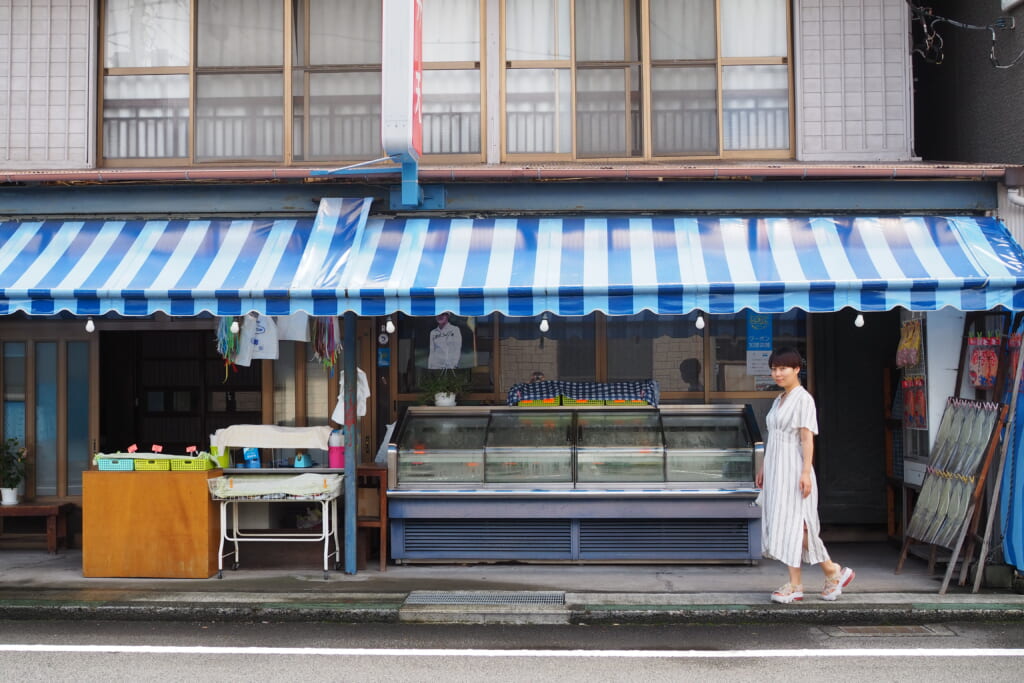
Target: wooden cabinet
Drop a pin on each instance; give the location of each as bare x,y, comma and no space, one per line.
149,524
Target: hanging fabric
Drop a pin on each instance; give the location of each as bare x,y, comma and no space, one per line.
264,338
362,394
243,357
326,341
1012,485
294,327
227,344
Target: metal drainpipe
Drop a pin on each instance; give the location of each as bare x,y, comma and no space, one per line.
1014,195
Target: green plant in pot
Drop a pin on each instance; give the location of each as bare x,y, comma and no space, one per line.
12,470
450,382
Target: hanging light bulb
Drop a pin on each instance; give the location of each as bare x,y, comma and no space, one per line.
234,327
389,326
90,326
859,320
700,321
544,326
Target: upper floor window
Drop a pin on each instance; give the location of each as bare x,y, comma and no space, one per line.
299,81
263,80
452,89
646,78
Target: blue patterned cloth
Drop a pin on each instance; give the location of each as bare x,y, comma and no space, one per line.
640,390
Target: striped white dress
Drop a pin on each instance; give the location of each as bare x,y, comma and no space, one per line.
785,511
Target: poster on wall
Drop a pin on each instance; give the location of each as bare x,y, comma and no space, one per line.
759,348
915,403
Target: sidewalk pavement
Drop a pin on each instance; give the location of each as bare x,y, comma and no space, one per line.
35,585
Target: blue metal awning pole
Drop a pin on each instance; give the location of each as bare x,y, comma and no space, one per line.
349,397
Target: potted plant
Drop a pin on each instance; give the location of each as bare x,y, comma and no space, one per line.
441,387
12,470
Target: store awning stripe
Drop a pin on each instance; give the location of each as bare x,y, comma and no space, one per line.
181,267
673,265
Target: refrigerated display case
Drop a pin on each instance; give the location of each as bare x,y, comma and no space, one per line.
575,483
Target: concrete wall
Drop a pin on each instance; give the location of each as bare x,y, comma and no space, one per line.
967,109
852,79
47,87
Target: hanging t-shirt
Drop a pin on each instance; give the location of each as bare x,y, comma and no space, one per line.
445,347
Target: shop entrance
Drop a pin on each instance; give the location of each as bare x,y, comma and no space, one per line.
850,457
171,388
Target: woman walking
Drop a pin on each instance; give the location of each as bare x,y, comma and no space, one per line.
789,492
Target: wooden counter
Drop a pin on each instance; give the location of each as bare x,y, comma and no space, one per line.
149,524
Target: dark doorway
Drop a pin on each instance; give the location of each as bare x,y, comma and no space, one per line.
172,389
849,368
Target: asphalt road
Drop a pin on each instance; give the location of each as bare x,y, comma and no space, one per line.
170,651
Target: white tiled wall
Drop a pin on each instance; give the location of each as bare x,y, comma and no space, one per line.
852,76
46,62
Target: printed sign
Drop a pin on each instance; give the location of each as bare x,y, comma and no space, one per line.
759,343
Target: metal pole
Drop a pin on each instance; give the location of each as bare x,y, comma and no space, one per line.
349,397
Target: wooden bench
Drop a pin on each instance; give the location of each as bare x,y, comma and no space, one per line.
56,515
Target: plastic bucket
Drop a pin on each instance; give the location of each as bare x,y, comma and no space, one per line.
220,459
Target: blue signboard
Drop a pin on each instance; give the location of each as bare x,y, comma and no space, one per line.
759,343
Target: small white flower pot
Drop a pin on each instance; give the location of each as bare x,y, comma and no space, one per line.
8,496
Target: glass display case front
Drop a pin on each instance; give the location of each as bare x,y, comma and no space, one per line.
575,447
708,448
529,447
445,450
620,446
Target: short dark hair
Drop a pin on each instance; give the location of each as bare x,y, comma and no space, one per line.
785,357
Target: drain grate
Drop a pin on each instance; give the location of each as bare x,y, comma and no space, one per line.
888,631
485,598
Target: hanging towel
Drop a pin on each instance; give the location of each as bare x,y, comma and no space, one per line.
294,327
362,393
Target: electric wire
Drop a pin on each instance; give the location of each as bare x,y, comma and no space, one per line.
930,46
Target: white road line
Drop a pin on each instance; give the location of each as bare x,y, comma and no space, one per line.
421,652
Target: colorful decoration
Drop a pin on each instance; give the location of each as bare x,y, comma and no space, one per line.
983,360
326,342
908,353
915,402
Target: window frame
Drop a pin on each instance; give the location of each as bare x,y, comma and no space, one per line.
475,66
647,65
288,71
600,335
62,335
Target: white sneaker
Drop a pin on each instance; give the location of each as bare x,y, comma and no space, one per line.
834,586
788,593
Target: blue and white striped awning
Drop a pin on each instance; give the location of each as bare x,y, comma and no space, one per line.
180,267
673,265
341,260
